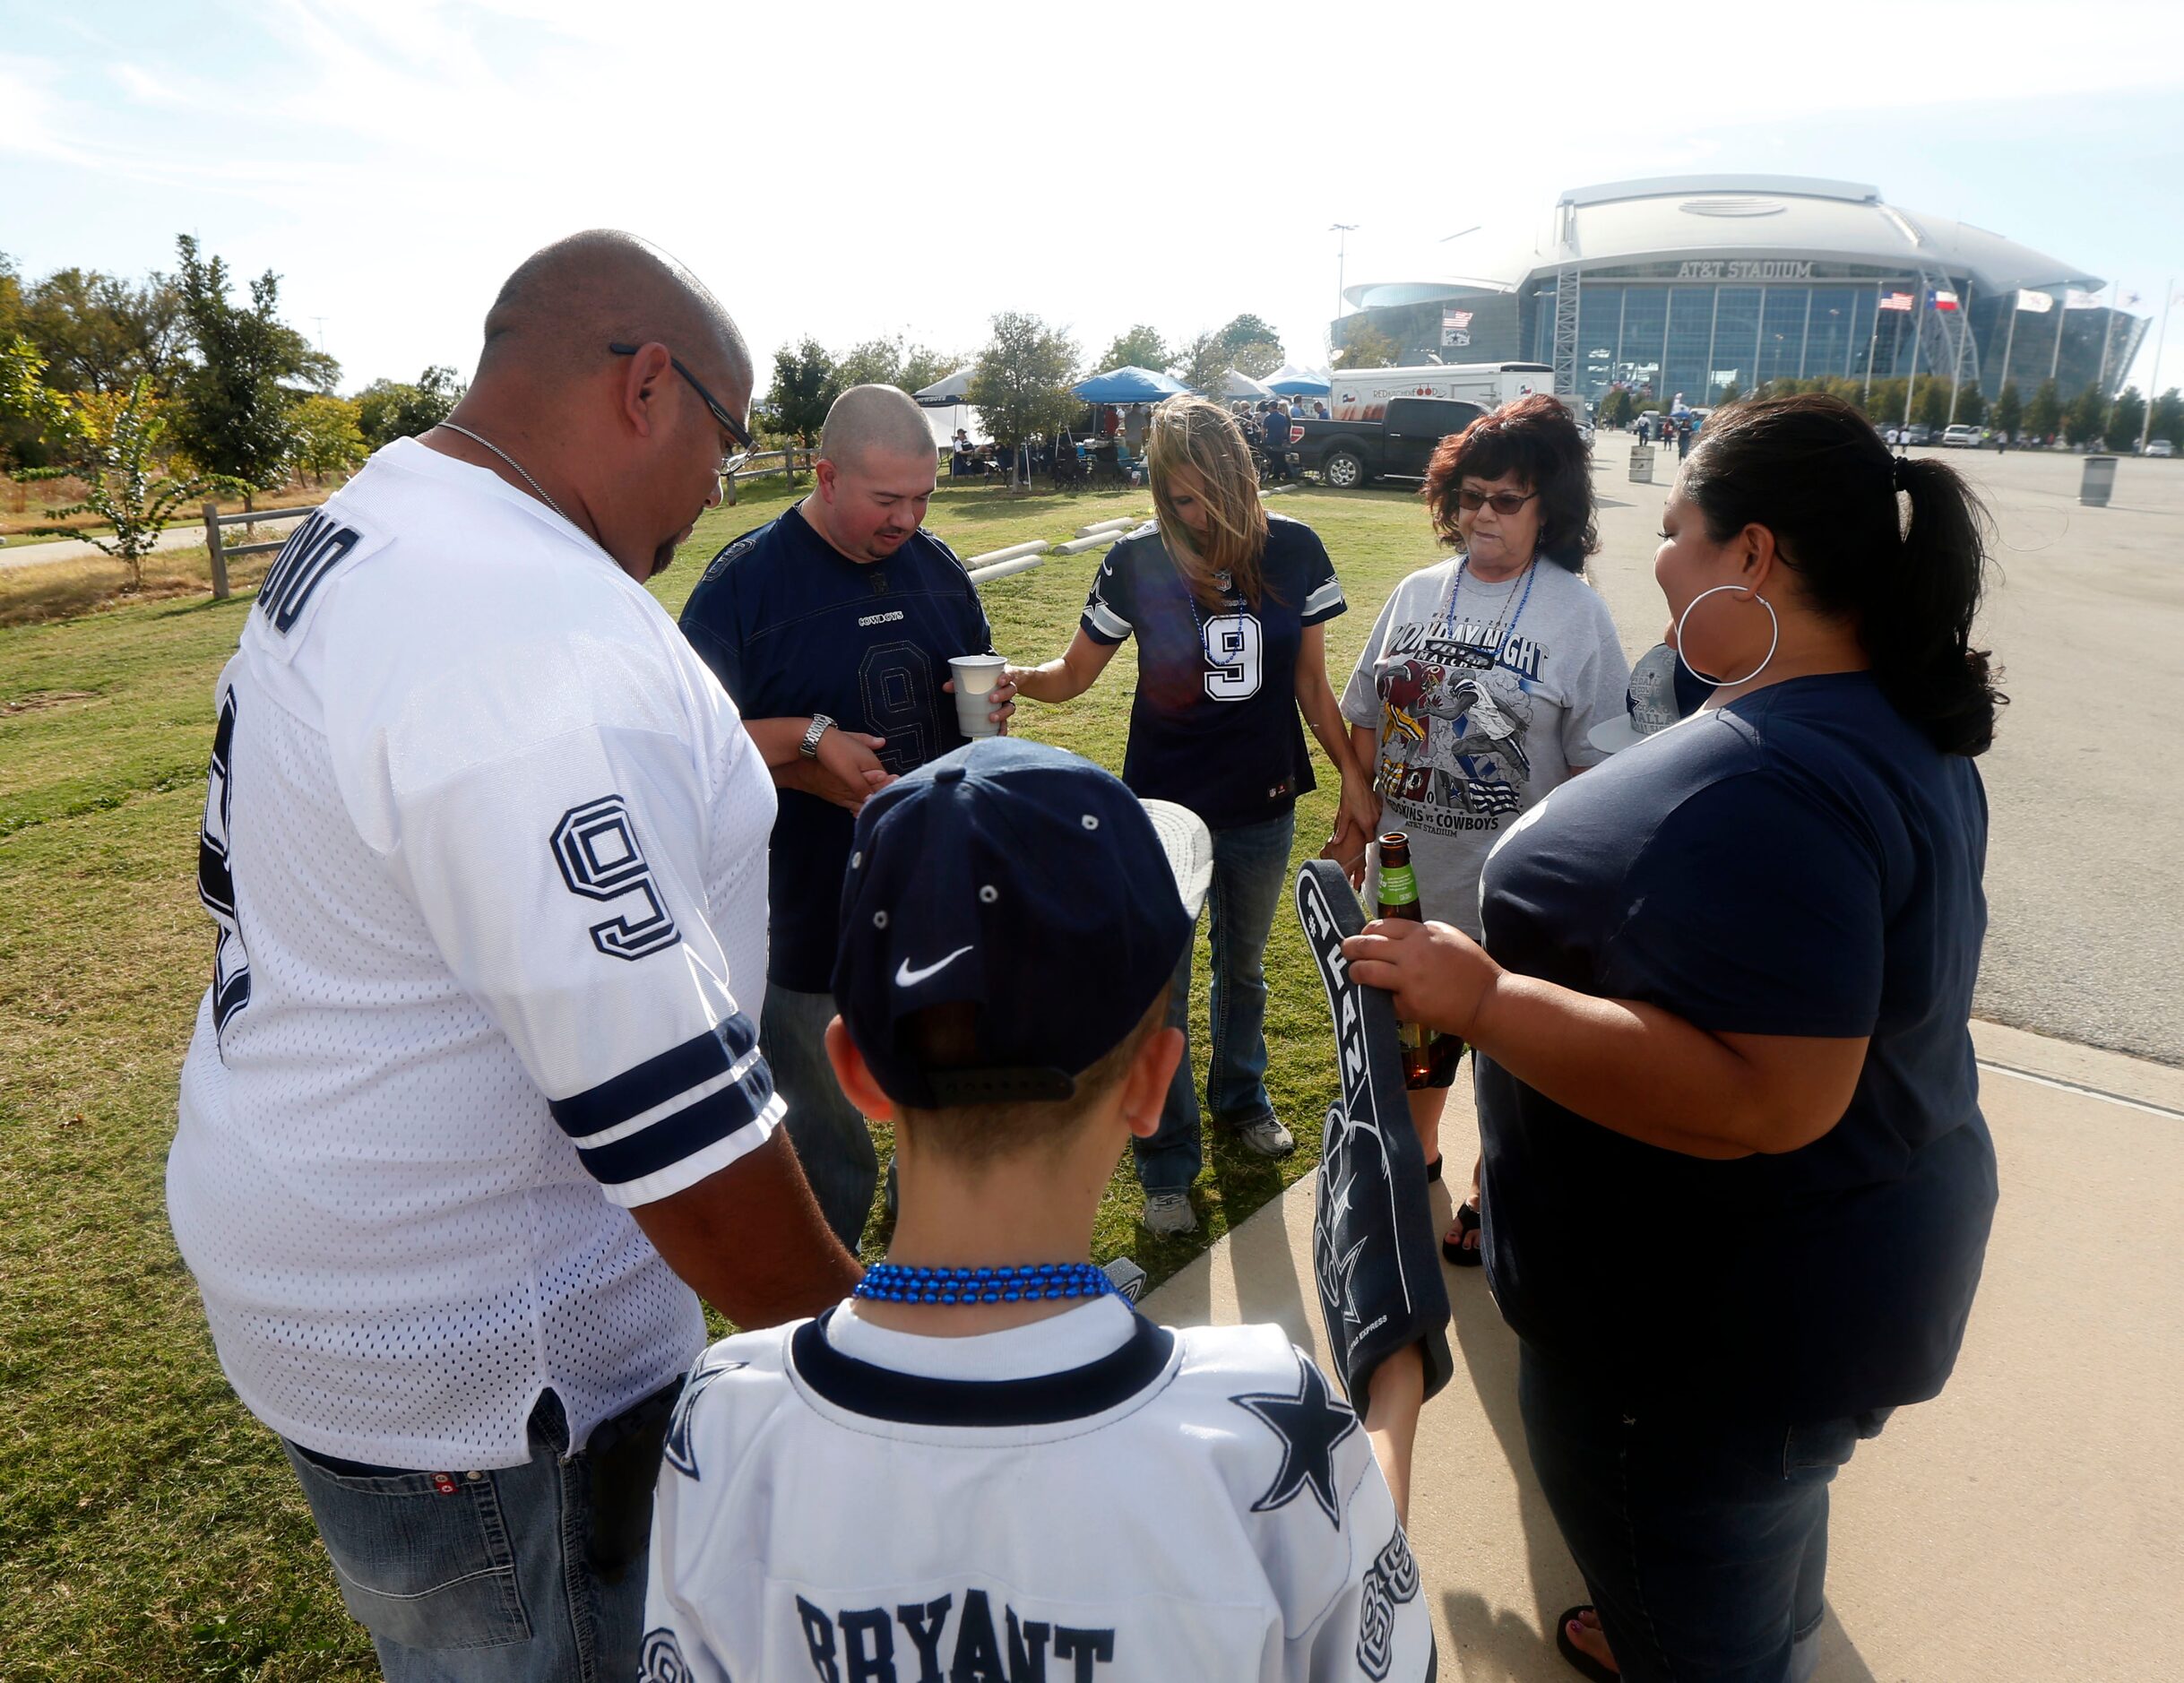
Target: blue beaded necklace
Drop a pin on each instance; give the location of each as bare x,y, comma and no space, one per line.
1025,1282
1497,633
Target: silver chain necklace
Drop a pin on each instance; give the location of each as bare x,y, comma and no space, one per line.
512,461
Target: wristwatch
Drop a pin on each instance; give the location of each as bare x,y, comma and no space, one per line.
820,725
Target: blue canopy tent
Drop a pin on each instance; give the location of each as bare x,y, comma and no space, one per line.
1290,381
1128,385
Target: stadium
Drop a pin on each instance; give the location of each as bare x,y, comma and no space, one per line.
1693,284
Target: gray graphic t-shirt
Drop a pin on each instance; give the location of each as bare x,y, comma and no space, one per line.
1482,696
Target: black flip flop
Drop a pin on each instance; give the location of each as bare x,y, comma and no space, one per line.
1582,1663
1467,1223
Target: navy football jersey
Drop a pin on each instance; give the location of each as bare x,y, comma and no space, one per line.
793,626
1214,724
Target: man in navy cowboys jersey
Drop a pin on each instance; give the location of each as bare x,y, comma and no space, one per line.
832,627
985,1466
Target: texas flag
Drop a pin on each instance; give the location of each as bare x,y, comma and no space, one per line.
1944,300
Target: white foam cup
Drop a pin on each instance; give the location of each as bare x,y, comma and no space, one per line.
975,675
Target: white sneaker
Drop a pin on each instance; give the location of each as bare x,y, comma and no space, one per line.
1169,1214
1267,1137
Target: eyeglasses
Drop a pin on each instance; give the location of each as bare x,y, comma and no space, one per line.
737,430
1504,502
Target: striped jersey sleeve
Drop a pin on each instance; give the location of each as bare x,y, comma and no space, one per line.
564,886
1111,608
1322,598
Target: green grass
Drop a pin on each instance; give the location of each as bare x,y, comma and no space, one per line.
149,1528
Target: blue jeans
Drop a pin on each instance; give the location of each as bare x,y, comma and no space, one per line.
1250,872
1703,1539
531,1573
832,1140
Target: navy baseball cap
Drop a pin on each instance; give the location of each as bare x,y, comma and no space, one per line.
1024,881
1662,693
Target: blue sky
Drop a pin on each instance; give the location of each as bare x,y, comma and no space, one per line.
852,169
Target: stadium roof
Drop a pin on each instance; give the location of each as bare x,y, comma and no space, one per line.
1683,217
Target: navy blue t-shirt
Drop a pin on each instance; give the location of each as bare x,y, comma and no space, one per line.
791,625
1213,726
1801,862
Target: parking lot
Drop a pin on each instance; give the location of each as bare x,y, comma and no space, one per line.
2084,874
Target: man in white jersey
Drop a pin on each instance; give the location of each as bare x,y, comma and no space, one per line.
984,1466
476,1077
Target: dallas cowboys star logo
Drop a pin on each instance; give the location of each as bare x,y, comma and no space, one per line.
1309,1424
677,1449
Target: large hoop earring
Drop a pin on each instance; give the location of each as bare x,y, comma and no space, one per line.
1773,641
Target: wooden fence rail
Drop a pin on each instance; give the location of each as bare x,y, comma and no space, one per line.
219,552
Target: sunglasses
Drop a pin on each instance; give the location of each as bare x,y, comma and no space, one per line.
737,430
1504,502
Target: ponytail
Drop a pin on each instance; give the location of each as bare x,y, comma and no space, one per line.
1812,470
1917,628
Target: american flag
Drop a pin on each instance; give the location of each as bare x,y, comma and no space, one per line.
1896,301
1457,319
1487,796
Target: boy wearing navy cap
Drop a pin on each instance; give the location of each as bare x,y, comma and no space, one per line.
985,1465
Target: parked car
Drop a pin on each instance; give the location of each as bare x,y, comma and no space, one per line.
1349,453
2160,447
1960,437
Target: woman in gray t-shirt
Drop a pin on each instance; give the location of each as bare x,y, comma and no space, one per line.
1484,675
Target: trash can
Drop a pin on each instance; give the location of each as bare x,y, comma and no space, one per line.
2099,480
1642,464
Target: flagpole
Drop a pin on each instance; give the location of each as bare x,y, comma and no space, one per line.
1873,341
1918,325
1964,331
2108,334
2062,319
2009,340
2154,375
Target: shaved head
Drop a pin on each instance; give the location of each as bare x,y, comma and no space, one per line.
875,419
565,303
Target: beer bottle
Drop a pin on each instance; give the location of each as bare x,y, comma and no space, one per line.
1399,899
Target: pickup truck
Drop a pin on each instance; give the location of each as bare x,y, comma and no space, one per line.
1349,453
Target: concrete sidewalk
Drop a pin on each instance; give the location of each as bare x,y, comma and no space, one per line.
2027,1523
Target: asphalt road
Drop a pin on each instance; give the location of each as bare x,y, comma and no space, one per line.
2085,782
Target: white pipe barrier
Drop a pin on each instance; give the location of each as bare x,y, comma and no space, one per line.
1106,525
1078,546
1036,546
1002,569
1276,490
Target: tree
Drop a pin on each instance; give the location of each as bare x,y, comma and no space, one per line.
2081,420
803,389
1930,408
2008,411
1729,395
234,417
2169,417
2126,417
922,365
2043,416
109,440
1971,405
388,409
1615,407
1885,406
1365,346
1020,386
1253,347
98,333
1201,363
1140,347
328,436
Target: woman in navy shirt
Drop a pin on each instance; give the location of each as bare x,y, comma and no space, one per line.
1722,1013
1227,604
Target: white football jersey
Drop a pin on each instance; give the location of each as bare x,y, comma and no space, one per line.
1088,1500
485,844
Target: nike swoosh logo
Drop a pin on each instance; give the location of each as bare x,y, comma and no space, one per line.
906,977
